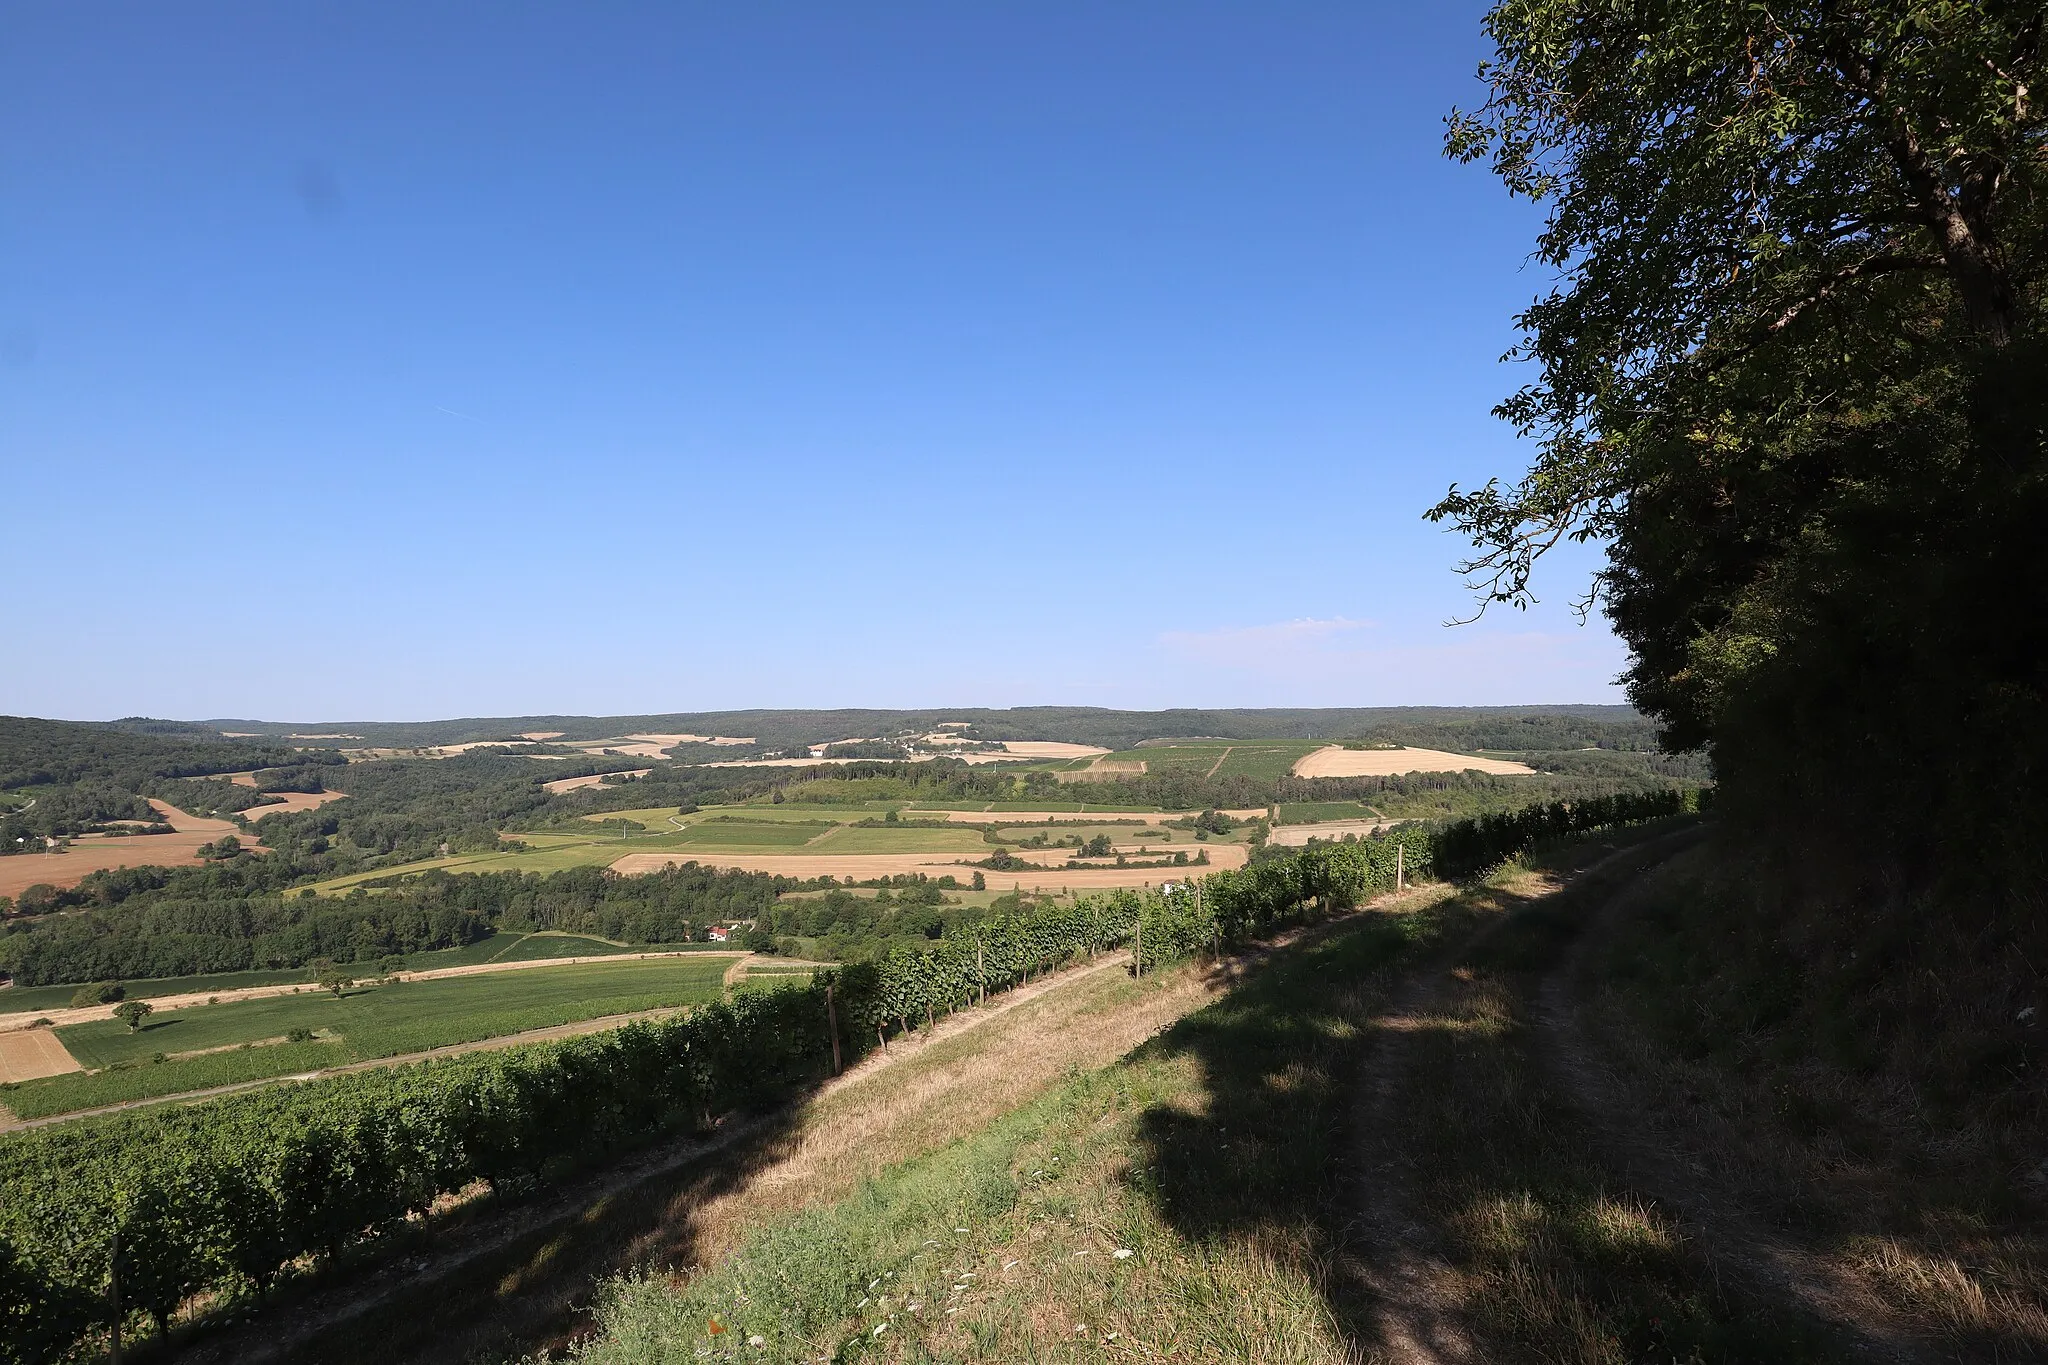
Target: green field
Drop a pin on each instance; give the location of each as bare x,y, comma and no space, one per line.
872,839
499,947
409,1016
1264,759
738,835
364,1023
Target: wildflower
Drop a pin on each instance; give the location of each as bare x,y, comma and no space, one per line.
1123,1253
757,1340
716,1326
1080,1329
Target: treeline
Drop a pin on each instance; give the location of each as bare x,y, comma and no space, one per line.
59,812
171,934
668,906
158,938
36,753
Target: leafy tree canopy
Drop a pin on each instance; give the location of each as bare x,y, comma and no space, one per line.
1791,369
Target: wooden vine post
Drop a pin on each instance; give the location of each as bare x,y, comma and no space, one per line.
832,1021
114,1298
980,972
1400,866
1140,954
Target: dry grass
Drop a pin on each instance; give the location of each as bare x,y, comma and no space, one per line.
948,1089
26,1054
1175,1203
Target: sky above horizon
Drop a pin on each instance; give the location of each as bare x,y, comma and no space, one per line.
388,362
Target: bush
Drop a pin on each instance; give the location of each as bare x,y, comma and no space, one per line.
98,993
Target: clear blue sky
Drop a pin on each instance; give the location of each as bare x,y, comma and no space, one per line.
406,360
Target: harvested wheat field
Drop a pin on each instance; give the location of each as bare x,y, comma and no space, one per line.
1295,836
26,1054
290,803
570,784
91,853
862,867
1337,761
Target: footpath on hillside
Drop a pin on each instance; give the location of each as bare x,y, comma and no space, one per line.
1513,1198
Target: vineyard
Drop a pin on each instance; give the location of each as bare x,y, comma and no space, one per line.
138,1214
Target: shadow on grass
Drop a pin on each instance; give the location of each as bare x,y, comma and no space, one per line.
1375,1121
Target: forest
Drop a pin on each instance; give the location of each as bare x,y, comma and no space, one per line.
189,926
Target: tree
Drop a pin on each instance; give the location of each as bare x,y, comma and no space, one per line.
330,976
99,993
133,1012
1790,371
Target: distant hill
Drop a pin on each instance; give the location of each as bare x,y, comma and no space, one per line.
1069,724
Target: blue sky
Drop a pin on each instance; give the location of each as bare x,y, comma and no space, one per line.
391,361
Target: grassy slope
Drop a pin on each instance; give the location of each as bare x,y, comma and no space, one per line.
1210,1154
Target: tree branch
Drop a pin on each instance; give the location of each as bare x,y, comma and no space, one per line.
1868,268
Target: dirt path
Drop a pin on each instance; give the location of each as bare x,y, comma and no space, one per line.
1671,1167
1424,1294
